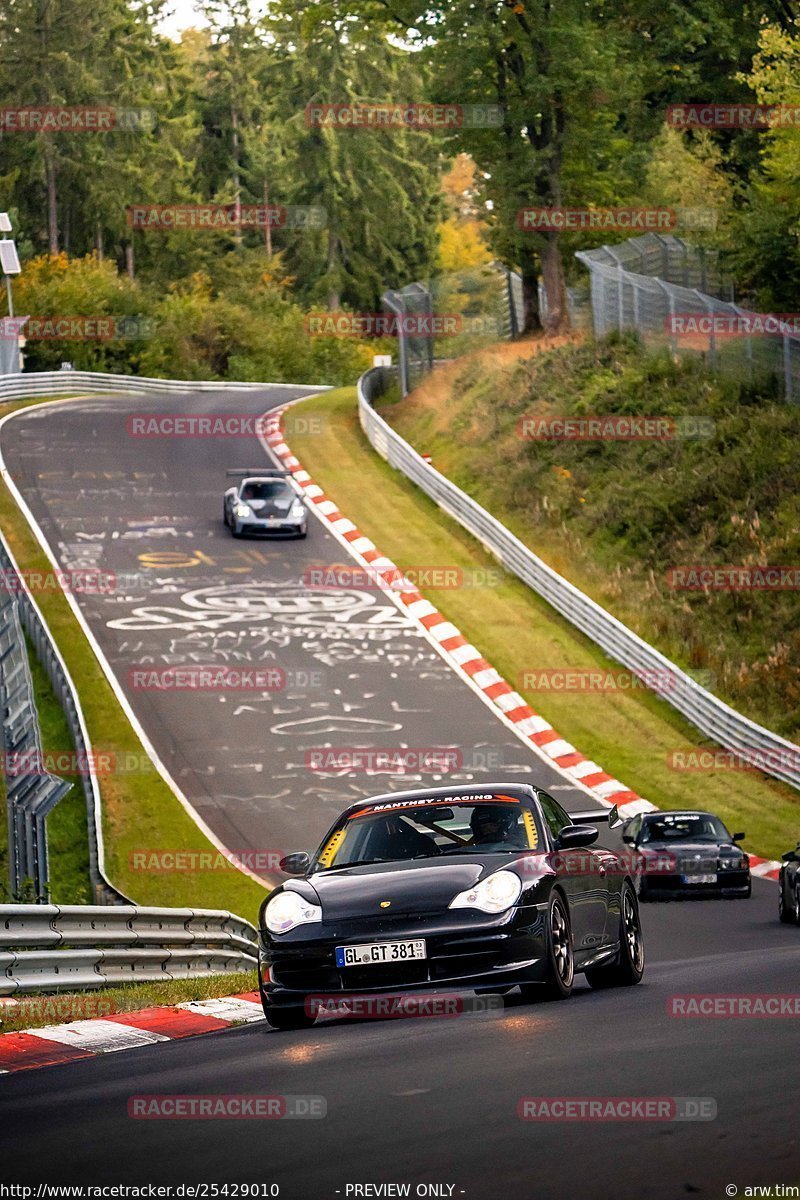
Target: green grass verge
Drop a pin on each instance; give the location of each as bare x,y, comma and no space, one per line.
615,517
67,836
629,735
32,1012
139,810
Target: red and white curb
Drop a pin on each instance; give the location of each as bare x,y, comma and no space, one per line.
465,658
53,1044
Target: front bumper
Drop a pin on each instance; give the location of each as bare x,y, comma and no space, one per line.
729,884
461,956
282,528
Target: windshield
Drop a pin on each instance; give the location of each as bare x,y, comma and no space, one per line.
684,827
269,490
395,832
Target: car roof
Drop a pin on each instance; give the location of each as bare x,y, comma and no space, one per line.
678,812
523,790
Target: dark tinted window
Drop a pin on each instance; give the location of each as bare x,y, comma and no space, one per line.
684,827
554,814
264,491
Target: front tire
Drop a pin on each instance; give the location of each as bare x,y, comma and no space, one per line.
557,984
287,1018
628,970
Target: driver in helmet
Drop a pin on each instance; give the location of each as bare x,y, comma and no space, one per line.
494,825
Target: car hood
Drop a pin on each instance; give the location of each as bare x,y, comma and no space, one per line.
277,507
681,851
409,887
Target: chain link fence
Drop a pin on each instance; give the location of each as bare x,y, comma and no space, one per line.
452,314
673,294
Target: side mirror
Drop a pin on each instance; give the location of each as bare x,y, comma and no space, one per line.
790,856
295,864
738,837
577,835
629,838
614,819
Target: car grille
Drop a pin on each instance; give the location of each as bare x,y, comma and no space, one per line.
448,959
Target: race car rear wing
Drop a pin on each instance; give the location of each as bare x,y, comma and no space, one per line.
261,471
610,815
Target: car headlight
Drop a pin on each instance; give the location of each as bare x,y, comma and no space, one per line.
288,910
242,510
494,894
733,864
298,511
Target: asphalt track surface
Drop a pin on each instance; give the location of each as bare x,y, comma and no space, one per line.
359,673
415,1101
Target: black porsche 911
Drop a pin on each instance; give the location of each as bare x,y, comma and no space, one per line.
476,889
680,854
789,900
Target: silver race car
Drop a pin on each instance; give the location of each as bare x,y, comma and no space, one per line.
264,502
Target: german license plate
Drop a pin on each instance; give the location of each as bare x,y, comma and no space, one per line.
699,879
379,952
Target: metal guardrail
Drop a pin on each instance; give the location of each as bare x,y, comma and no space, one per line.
31,791
54,383
30,619
45,947
710,715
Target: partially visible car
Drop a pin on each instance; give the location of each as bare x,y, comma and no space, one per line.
264,502
686,853
789,879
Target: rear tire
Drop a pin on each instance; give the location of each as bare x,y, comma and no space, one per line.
629,967
557,984
788,914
